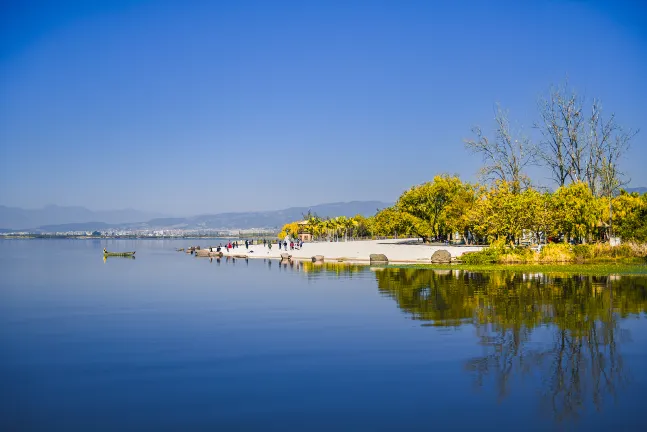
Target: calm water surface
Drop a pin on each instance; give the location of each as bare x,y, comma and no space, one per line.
167,341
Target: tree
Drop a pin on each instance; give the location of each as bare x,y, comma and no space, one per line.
315,225
630,216
607,143
506,156
458,210
499,213
578,146
537,215
576,211
360,226
289,229
552,149
428,203
391,220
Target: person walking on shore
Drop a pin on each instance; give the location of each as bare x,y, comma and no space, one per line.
246,244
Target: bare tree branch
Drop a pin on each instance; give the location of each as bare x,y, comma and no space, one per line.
506,156
579,147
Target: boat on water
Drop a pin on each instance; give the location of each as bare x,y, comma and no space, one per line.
121,254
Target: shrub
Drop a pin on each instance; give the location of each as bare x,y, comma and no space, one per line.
638,249
622,251
583,252
500,252
485,256
516,255
625,250
557,252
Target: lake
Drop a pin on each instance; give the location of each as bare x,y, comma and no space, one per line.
168,341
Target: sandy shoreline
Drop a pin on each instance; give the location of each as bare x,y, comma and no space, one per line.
398,250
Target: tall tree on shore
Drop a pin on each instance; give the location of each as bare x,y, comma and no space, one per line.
391,221
576,211
500,213
429,201
552,149
581,147
506,156
608,143
630,216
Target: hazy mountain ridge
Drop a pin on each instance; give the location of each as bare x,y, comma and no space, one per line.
225,221
18,218
276,218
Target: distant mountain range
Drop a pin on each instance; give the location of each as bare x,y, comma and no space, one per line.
640,190
14,217
60,219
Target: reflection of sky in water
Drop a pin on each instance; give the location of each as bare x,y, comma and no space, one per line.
170,339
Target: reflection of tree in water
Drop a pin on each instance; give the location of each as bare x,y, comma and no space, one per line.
580,364
339,269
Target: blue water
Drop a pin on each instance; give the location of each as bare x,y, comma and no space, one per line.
168,341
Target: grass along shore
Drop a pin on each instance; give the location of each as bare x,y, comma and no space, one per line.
595,253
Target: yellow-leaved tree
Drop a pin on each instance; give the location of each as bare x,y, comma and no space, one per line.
291,229
576,212
499,213
429,203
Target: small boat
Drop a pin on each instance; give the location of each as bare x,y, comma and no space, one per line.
121,254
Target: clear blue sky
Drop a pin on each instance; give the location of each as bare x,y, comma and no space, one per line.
189,107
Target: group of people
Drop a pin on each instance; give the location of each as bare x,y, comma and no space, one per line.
292,244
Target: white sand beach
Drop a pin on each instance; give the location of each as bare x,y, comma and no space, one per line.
398,250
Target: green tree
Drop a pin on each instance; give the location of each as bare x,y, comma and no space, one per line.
576,211
630,216
537,216
428,203
499,214
391,220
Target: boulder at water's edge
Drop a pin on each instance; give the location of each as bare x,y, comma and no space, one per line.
378,258
441,257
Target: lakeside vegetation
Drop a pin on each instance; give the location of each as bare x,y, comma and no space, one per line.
580,221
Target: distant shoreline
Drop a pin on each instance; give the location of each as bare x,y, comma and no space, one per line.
132,237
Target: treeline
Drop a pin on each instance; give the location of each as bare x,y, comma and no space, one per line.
576,143
450,209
